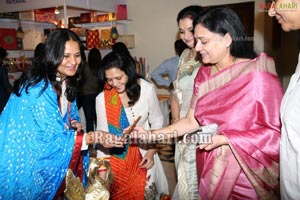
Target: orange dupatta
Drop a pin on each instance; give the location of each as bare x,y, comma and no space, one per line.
129,178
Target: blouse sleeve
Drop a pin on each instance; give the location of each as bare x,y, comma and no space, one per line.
158,73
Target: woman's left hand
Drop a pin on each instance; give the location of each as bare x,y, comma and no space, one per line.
77,125
89,138
217,140
148,160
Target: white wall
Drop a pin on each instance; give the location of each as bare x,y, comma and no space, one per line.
154,26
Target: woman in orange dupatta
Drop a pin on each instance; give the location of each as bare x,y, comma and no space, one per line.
241,93
138,173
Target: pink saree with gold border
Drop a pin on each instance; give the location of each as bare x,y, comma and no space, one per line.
244,100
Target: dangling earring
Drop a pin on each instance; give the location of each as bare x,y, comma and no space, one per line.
58,78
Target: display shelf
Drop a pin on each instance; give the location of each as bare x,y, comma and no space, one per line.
30,22
102,24
98,5
19,53
68,8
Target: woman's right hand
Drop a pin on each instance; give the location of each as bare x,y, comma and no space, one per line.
138,132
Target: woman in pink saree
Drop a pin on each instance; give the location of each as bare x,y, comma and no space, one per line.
241,93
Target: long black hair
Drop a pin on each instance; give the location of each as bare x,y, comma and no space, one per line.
120,48
3,54
190,11
124,63
223,20
44,67
94,60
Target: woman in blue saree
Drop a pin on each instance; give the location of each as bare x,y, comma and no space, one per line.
40,134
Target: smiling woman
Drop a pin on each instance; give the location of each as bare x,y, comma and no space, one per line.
117,79
226,165
124,99
216,33
37,144
71,61
188,66
40,129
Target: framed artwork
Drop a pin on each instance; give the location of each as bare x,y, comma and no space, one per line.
8,38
